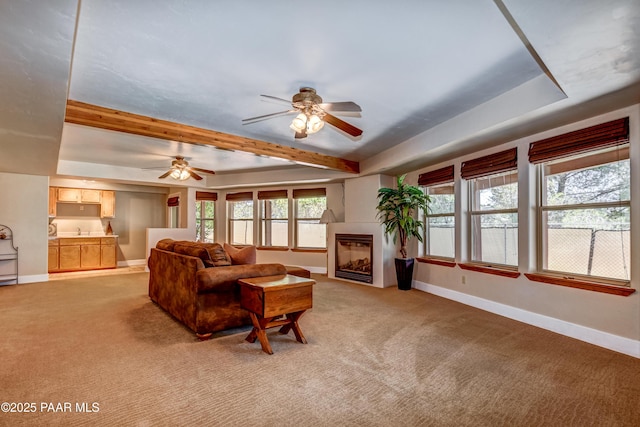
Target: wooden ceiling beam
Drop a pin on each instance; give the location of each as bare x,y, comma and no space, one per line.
120,121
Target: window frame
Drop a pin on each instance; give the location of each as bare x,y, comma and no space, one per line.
231,199
299,194
263,230
427,228
542,208
202,198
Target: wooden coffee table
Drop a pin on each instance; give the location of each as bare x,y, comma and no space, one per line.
269,298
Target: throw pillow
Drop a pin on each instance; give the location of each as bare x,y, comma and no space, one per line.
245,255
219,258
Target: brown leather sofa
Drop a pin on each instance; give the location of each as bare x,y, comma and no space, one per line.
197,284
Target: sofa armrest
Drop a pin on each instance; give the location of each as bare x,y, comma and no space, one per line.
224,279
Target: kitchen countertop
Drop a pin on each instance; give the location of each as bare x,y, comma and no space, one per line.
82,236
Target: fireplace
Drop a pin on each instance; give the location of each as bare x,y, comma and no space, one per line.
354,254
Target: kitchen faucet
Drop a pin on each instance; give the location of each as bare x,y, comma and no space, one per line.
79,232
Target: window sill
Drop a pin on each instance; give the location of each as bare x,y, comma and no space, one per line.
272,248
436,261
580,284
311,250
504,272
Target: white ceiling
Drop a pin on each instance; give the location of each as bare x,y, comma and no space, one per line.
434,79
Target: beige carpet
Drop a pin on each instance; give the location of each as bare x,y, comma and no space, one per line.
375,357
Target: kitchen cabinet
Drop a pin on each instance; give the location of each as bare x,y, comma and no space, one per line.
108,204
69,195
54,255
82,253
53,199
8,257
90,196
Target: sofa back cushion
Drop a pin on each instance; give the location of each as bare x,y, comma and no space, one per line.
193,249
219,257
246,255
166,244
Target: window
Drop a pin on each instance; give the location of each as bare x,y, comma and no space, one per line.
205,206
440,219
584,211
240,213
274,218
173,211
309,205
493,188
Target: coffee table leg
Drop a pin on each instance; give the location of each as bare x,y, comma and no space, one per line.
259,332
293,324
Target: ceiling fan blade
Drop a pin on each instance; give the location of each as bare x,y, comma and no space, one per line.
276,98
266,116
203,170
342,125
300,135
166,174
340,106
194,175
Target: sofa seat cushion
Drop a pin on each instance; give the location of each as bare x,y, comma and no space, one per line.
298,271
223,280
241,256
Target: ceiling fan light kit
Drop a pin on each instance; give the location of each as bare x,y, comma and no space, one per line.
313,113
181,171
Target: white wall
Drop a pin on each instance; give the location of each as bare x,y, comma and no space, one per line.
24,208
603,319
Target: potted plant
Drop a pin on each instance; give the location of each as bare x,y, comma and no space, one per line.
396,211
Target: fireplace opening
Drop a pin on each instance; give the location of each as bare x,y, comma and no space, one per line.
354,254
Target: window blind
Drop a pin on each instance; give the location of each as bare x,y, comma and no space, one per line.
503,161
205,195
273,194
173,201
438,176
605,135
248,195
301,193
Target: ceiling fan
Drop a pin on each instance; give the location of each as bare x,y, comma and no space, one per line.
181,170
312,113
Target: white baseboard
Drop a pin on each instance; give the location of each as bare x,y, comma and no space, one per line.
34,278
592,336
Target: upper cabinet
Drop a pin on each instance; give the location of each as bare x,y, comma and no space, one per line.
53,199
69,195
106,199
108,205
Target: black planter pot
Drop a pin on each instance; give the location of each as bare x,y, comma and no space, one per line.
404,273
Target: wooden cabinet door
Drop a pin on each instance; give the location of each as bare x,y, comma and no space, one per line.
108,206
69,195
108,256
53,200
54,258
69,257
89,256
90,196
